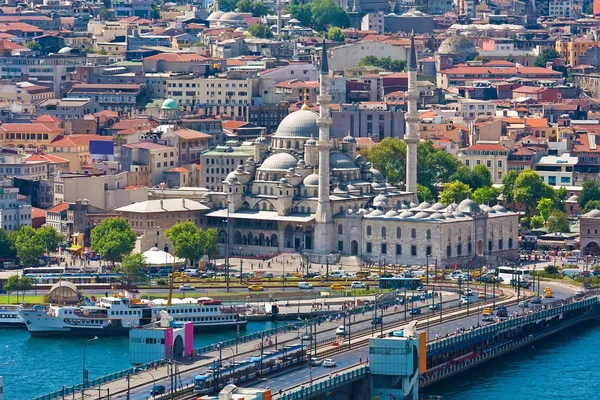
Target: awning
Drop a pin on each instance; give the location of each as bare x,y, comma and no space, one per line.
75,247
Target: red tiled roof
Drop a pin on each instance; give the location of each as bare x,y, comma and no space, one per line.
47,118
37,213
8,45
487,147
28,128
60,207
47,157
185,133
536,122
232,124
78,140
502,72
173,57
297,83
106,113
18,26
180,170
582,143
529,89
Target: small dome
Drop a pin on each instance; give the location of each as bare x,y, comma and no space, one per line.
424,205
349,139
240,29
499,208
231,16
376,213
351,187
302,123
293,21
215,16
301,163
375,185
362,211
65,50
310,142
359,159
437,215
339,191
438,206
380,200
279,161
406,214
451,208
573,198
593,214
375,174
283,181
169,104
291,170
448,215
468,206
458,214
391,213
403,206
413,205
340,161
457,44
261,140
311,180
422,215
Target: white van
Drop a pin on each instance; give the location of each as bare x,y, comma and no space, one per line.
339,273
191,272
304,285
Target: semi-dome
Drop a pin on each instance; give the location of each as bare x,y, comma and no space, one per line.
340,161
422,215
169,104
302,123
499,208
380,200
391,213
437,215
311,180
231,16
438,206
468,206
215,16
279,161
406,214
375,174
593,214
458,45
65,50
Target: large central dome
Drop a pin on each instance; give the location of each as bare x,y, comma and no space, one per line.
302,123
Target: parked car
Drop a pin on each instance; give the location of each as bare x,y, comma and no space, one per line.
341,330
358,285
434,307
306,337
329,363
337,286
186,287
304,285
315,361
415,311
157,390
376,321
255,288
536,300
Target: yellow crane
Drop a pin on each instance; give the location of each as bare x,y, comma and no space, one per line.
172,277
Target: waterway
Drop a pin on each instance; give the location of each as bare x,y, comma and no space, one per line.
34,366
560,367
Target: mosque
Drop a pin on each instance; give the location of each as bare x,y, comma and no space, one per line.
304,191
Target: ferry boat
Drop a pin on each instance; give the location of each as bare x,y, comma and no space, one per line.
116,315
10,318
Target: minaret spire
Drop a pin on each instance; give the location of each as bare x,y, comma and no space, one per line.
323,217
412,119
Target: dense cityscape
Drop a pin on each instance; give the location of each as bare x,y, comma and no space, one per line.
298,199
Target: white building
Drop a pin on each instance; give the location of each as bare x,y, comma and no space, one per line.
473,109
348,55
373,22
557,171
565,8
294,70
13,213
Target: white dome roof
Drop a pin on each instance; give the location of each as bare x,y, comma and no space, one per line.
376,213
302,123
593,214
215,16
279,161
499,208
406,214
155,257
438,206
340,161
468,206
391,213
231,16
311,180
422,215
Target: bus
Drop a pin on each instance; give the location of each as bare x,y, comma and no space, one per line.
512,275
396,282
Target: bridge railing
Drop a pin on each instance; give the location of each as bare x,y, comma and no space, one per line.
326,384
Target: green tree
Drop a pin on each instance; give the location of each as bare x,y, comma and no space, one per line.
528,189
423,9
186,240
508,184
551,269
28,245
302,12
244,6
335,34
589,8
424,193
7,247
560,196
113,238
482,177
558,222
106,15
227,5
454,192
546,55
34,45
591,205
327,13
49,238
259,9
14,283
510,58
132,268
545,207
536,222
483,59
211,243
385,63
485,195
260,31
590,191
155,11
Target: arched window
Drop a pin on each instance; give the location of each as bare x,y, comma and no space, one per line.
271,208
308,210
413,233
340,229
369,230
398,233
383,231
270,192
428,234
264,206
297,145
302,209
305,193
510,226
259,190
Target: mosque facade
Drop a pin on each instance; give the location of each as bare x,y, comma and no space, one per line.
304,191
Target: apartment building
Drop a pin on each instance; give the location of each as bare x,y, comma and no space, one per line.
13,213
158,157
491,154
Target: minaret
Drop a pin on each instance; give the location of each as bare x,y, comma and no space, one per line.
278,18
412,119
324,222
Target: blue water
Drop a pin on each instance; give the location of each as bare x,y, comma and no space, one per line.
34,366
563,366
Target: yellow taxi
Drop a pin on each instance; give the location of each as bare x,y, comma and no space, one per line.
548,294
337,286
481,296
255,288
475,274
297,274
487,311
547,289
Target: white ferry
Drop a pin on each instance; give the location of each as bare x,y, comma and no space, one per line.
116,315
10,318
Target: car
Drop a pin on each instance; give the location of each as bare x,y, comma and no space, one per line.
376,321
350,275
337,286
467,278
481,296
548,294
415,311
434,307
502,312
341,330
387,275
329,363
186,286
306,337
157,390
468,292
2,291
487,310
315,361
547,289
358,285
464,300
536,300
487,317
523,304
304,285
255,288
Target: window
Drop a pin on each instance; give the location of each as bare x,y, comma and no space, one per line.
413,233
340,245
413,250
369,230
398,249
383,248
469,248
459,249
499,163
368,247
398,233
340,229
488,163
490,245
500,244
510,243
383,232
428,234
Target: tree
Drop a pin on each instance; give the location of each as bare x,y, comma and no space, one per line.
260,31
327,13
211,243
244,6
7,247
560,196
545,207
335,34
386,63
485,195
528,189
546,55
423,9
590,191
14,283
536,222
49,238
259,9
455,192
482,177
106,15
29,247
551,269
510,58
154,11
591,205
508,182
483,59
132,268
558,222
113,238
34,45
227,5
302,12
424,193
186,240
589,8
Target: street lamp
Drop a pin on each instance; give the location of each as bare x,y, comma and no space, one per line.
85,372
